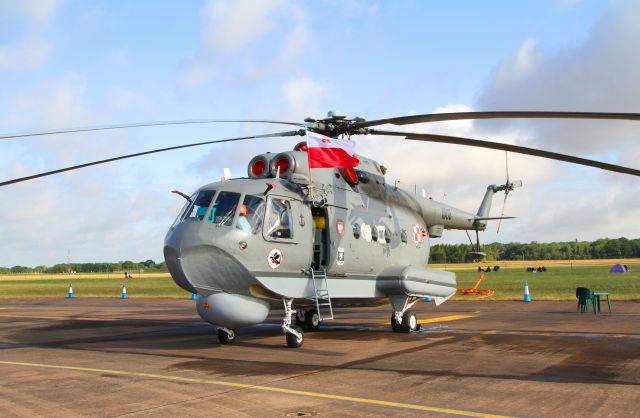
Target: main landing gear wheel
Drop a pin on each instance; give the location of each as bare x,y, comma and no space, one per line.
312,320
292,340
395,326
409,323
227,337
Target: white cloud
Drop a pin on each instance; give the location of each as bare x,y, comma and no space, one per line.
31,48
246,41
26,55
597,75
304,97
232,24
564,5
37,13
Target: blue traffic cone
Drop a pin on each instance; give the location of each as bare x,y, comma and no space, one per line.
193,296
527,296
124,292
70,291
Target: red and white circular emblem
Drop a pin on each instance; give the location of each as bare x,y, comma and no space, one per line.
274,258
340,227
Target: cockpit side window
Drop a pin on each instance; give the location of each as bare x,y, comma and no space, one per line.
279,219
224,208
251,214
200,204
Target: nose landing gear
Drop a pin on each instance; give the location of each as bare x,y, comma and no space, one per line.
226,335
294,335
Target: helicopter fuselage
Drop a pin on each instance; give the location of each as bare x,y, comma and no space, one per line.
245,244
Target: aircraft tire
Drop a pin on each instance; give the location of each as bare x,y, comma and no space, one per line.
395,326
225,339
409,321
312,320
299,321
293,341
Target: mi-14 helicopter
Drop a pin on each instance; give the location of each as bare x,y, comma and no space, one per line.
310,240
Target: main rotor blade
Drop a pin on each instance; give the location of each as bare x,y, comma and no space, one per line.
143,124
138,154
492,218
439,117
511,148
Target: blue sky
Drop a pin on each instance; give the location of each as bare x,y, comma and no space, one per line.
71,63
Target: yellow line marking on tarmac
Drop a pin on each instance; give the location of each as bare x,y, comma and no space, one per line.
490,332
73,318
438,319
444,319
264,388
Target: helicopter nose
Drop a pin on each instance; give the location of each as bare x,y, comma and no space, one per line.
199,263
172,258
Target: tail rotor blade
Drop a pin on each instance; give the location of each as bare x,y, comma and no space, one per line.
504,204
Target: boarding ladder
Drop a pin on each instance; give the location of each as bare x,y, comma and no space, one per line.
321,292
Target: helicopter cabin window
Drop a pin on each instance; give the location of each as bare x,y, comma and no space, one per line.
279,219
251,214
224,208
374,234
199,205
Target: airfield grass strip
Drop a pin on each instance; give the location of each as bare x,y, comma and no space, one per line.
558,283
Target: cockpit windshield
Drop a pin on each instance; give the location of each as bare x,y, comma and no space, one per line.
224,208
199,204
251,214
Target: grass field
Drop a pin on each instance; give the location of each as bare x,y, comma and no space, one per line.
558,283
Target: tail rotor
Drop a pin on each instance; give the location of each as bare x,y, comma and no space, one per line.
507,187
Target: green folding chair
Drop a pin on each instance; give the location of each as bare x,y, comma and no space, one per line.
586,298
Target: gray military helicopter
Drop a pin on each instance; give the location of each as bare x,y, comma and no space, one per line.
312,240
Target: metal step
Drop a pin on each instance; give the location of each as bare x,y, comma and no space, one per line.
321,294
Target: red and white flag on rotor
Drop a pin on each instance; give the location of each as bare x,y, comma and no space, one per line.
327,152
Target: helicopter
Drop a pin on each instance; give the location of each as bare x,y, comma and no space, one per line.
310,235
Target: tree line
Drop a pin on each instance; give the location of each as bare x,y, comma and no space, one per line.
440,253
128,266
571,250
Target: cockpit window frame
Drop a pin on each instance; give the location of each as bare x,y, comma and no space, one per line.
267,235
189,207
229,221
257,221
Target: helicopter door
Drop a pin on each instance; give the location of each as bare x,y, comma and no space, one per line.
320,239
288,221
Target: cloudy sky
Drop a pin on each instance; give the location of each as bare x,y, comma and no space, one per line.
66,63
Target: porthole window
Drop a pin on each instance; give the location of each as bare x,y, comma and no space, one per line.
387,235
403,236
356,230
374,234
